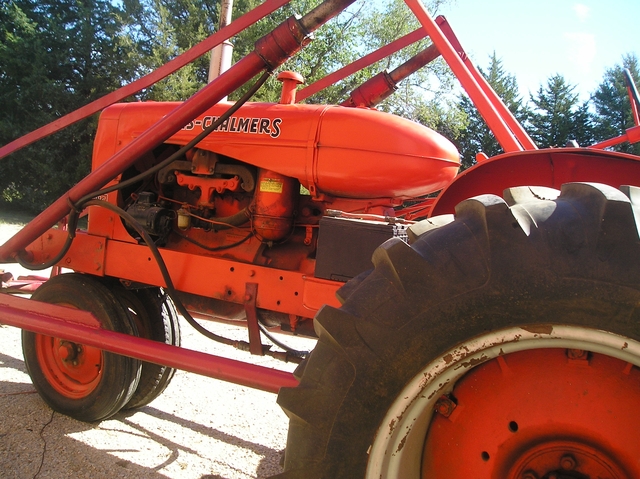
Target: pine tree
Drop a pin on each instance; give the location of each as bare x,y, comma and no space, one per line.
612,106
476,136
558,117
55,56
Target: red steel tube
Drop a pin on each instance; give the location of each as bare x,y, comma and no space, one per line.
15,312
634,107
632,135
608,143
382,85
495,121
363,62
269,6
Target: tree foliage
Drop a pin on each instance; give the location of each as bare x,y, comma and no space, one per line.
558,117
612,106
170,28
476,136
55,56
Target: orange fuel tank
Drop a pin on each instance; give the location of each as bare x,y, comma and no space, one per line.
335,150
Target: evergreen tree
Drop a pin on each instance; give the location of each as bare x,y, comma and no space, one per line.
476,136
55,56
558,117
611,101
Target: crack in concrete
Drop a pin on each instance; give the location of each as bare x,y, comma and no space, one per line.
44,441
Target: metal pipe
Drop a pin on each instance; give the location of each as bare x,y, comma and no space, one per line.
361,63
323,13
222,53
632,135
382,85
513,124
414,64
634,98
15,312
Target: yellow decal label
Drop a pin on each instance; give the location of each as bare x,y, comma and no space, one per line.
270,185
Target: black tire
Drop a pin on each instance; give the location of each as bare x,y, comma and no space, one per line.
511,278
156,318
87,384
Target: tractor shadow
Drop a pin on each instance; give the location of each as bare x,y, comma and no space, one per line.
35,442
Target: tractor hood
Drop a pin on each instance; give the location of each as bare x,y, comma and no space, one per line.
339,151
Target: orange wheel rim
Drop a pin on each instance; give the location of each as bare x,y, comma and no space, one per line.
539,414
72,369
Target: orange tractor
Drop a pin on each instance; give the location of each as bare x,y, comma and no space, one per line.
496,336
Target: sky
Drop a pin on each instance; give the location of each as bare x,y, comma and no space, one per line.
537,39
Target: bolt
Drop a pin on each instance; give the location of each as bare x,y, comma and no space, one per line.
576,354
445,406
68,260
247,297
252,273
568,462
529,474
67,351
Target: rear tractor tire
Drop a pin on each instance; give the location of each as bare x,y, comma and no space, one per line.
504,344
81,381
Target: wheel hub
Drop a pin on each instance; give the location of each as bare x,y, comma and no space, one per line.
565,460
68,351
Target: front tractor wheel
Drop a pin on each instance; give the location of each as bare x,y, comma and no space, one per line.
505,344
81,381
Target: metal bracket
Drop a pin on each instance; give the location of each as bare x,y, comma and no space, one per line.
250,296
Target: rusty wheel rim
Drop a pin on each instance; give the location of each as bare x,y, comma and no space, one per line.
485,429
549,413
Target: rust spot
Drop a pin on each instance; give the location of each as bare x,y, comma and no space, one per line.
625,346
392,424
539,328
401,445
448,358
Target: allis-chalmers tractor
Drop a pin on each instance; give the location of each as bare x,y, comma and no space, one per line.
497,337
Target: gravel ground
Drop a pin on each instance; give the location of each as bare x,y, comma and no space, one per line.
199,428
